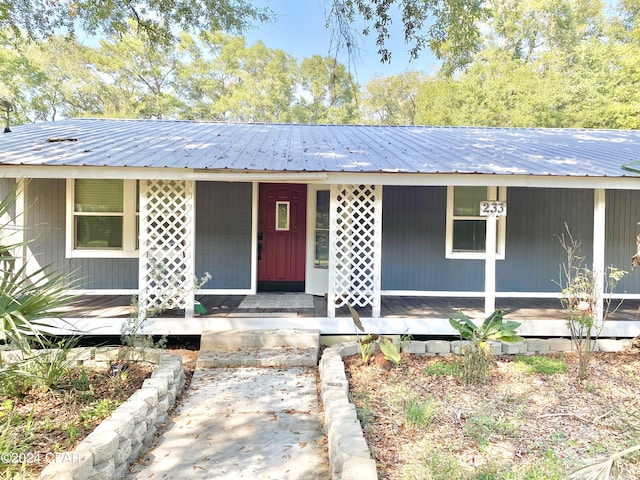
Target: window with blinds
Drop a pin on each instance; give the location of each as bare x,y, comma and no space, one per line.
104,217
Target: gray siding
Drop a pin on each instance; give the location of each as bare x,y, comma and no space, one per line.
6,185
223,230
413,245
223,233
46,226
623,215
535,219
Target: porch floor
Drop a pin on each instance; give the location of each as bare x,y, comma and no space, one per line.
517,309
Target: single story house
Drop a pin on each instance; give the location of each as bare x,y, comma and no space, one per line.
353,214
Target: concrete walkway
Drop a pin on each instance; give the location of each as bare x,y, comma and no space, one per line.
252,423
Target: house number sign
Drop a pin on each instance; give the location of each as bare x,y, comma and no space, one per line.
493,207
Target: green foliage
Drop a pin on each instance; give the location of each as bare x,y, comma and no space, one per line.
440,368
392,100
451,29
367,346
493,328
370,342
476,360
361,401
26,298
157,19
485,427
390,351
419,412
544,365
98,411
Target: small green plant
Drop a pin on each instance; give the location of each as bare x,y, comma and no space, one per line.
371,341
476,360
405,341
132,337
367,346
82,383
544,365
98,411
390,351
364,412
483,427
72,432
419,412
51,366
440,368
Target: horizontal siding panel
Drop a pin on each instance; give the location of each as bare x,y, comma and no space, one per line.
622,217
535,219
46,226
413,244
223,233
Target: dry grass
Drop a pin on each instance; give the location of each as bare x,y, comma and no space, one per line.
521,424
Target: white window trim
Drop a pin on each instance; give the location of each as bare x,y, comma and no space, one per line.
129,222
492,192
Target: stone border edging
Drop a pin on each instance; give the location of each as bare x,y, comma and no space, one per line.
349,456
107,452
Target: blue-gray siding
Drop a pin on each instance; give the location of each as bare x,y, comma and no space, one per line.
623,215
46,223
413,242
223,233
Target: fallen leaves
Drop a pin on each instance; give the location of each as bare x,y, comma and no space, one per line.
524,418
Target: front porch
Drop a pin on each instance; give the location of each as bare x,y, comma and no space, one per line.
399,314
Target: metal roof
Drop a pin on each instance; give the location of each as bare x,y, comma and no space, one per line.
321,148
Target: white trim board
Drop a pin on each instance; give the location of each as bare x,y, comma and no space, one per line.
326,326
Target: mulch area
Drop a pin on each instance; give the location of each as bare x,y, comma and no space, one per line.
518,421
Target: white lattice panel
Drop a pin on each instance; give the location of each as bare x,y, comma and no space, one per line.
167,224
355,247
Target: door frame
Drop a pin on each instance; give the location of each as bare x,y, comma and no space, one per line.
316,279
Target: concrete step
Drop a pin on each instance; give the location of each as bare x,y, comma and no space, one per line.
285,357
235,339
259,348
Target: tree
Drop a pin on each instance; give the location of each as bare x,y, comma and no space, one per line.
260,83
157,18
392,100
200,80
329,92
68,83
142,76
17,75
450,28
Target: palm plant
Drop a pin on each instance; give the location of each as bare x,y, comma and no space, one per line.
26,297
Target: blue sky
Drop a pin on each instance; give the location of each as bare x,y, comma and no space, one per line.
299,30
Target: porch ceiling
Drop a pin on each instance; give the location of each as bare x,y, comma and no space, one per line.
206,147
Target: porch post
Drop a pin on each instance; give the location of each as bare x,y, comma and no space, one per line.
20,224
167,246
490,267
598,268
355,248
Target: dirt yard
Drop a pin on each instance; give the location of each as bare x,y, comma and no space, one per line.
532,419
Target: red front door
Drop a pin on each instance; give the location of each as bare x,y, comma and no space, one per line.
281,237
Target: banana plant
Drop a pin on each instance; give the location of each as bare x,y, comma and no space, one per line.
493,328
